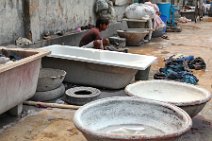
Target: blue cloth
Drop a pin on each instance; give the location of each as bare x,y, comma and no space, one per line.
13,56
189,78
175,70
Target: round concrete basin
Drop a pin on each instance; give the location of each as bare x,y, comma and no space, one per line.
190,98
131,119
133,36
50,79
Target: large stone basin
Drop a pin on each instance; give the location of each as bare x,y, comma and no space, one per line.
190,98
134,36
131,119
50,79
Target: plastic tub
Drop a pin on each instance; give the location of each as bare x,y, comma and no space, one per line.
164,18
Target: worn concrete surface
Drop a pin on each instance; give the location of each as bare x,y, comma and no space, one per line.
56,124
67,16
33,18
73,39
54,15
11,20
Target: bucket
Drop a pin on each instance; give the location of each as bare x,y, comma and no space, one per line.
164,18
165,9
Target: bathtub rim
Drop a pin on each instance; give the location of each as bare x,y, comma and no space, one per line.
152,59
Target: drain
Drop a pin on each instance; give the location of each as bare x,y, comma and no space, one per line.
83,92
81,95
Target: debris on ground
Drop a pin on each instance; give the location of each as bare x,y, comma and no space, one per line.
178,68
47,36
166,37
21,42
184,20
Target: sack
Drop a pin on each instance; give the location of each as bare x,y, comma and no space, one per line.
158,23
139,11
101,5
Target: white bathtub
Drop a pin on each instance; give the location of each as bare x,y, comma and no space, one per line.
99,68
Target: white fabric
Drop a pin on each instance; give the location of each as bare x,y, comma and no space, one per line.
91,45
139,11
150,24
156,8
101,5
206,8
158,23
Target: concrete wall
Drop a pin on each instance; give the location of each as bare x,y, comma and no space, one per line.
33,18
73,39
66,15
11,20
57,15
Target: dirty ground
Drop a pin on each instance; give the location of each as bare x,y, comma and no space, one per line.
56,124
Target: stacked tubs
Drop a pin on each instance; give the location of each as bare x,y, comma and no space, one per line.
49,84
137,30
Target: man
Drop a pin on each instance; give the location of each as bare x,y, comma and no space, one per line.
92,38
94,33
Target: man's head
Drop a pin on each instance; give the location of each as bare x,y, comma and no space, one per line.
102,23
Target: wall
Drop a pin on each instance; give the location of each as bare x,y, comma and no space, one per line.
33,18
11,20
65,15
57,15
73,39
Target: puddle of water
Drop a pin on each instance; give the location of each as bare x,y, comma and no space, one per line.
131,129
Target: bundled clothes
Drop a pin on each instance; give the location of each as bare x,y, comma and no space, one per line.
178,68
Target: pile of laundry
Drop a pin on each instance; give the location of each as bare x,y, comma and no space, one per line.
104,8
179,68
6,57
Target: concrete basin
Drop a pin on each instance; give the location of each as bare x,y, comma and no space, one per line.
134,36
50,79
131,119
135,23
190,98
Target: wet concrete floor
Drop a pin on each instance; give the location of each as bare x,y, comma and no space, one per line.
56,124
